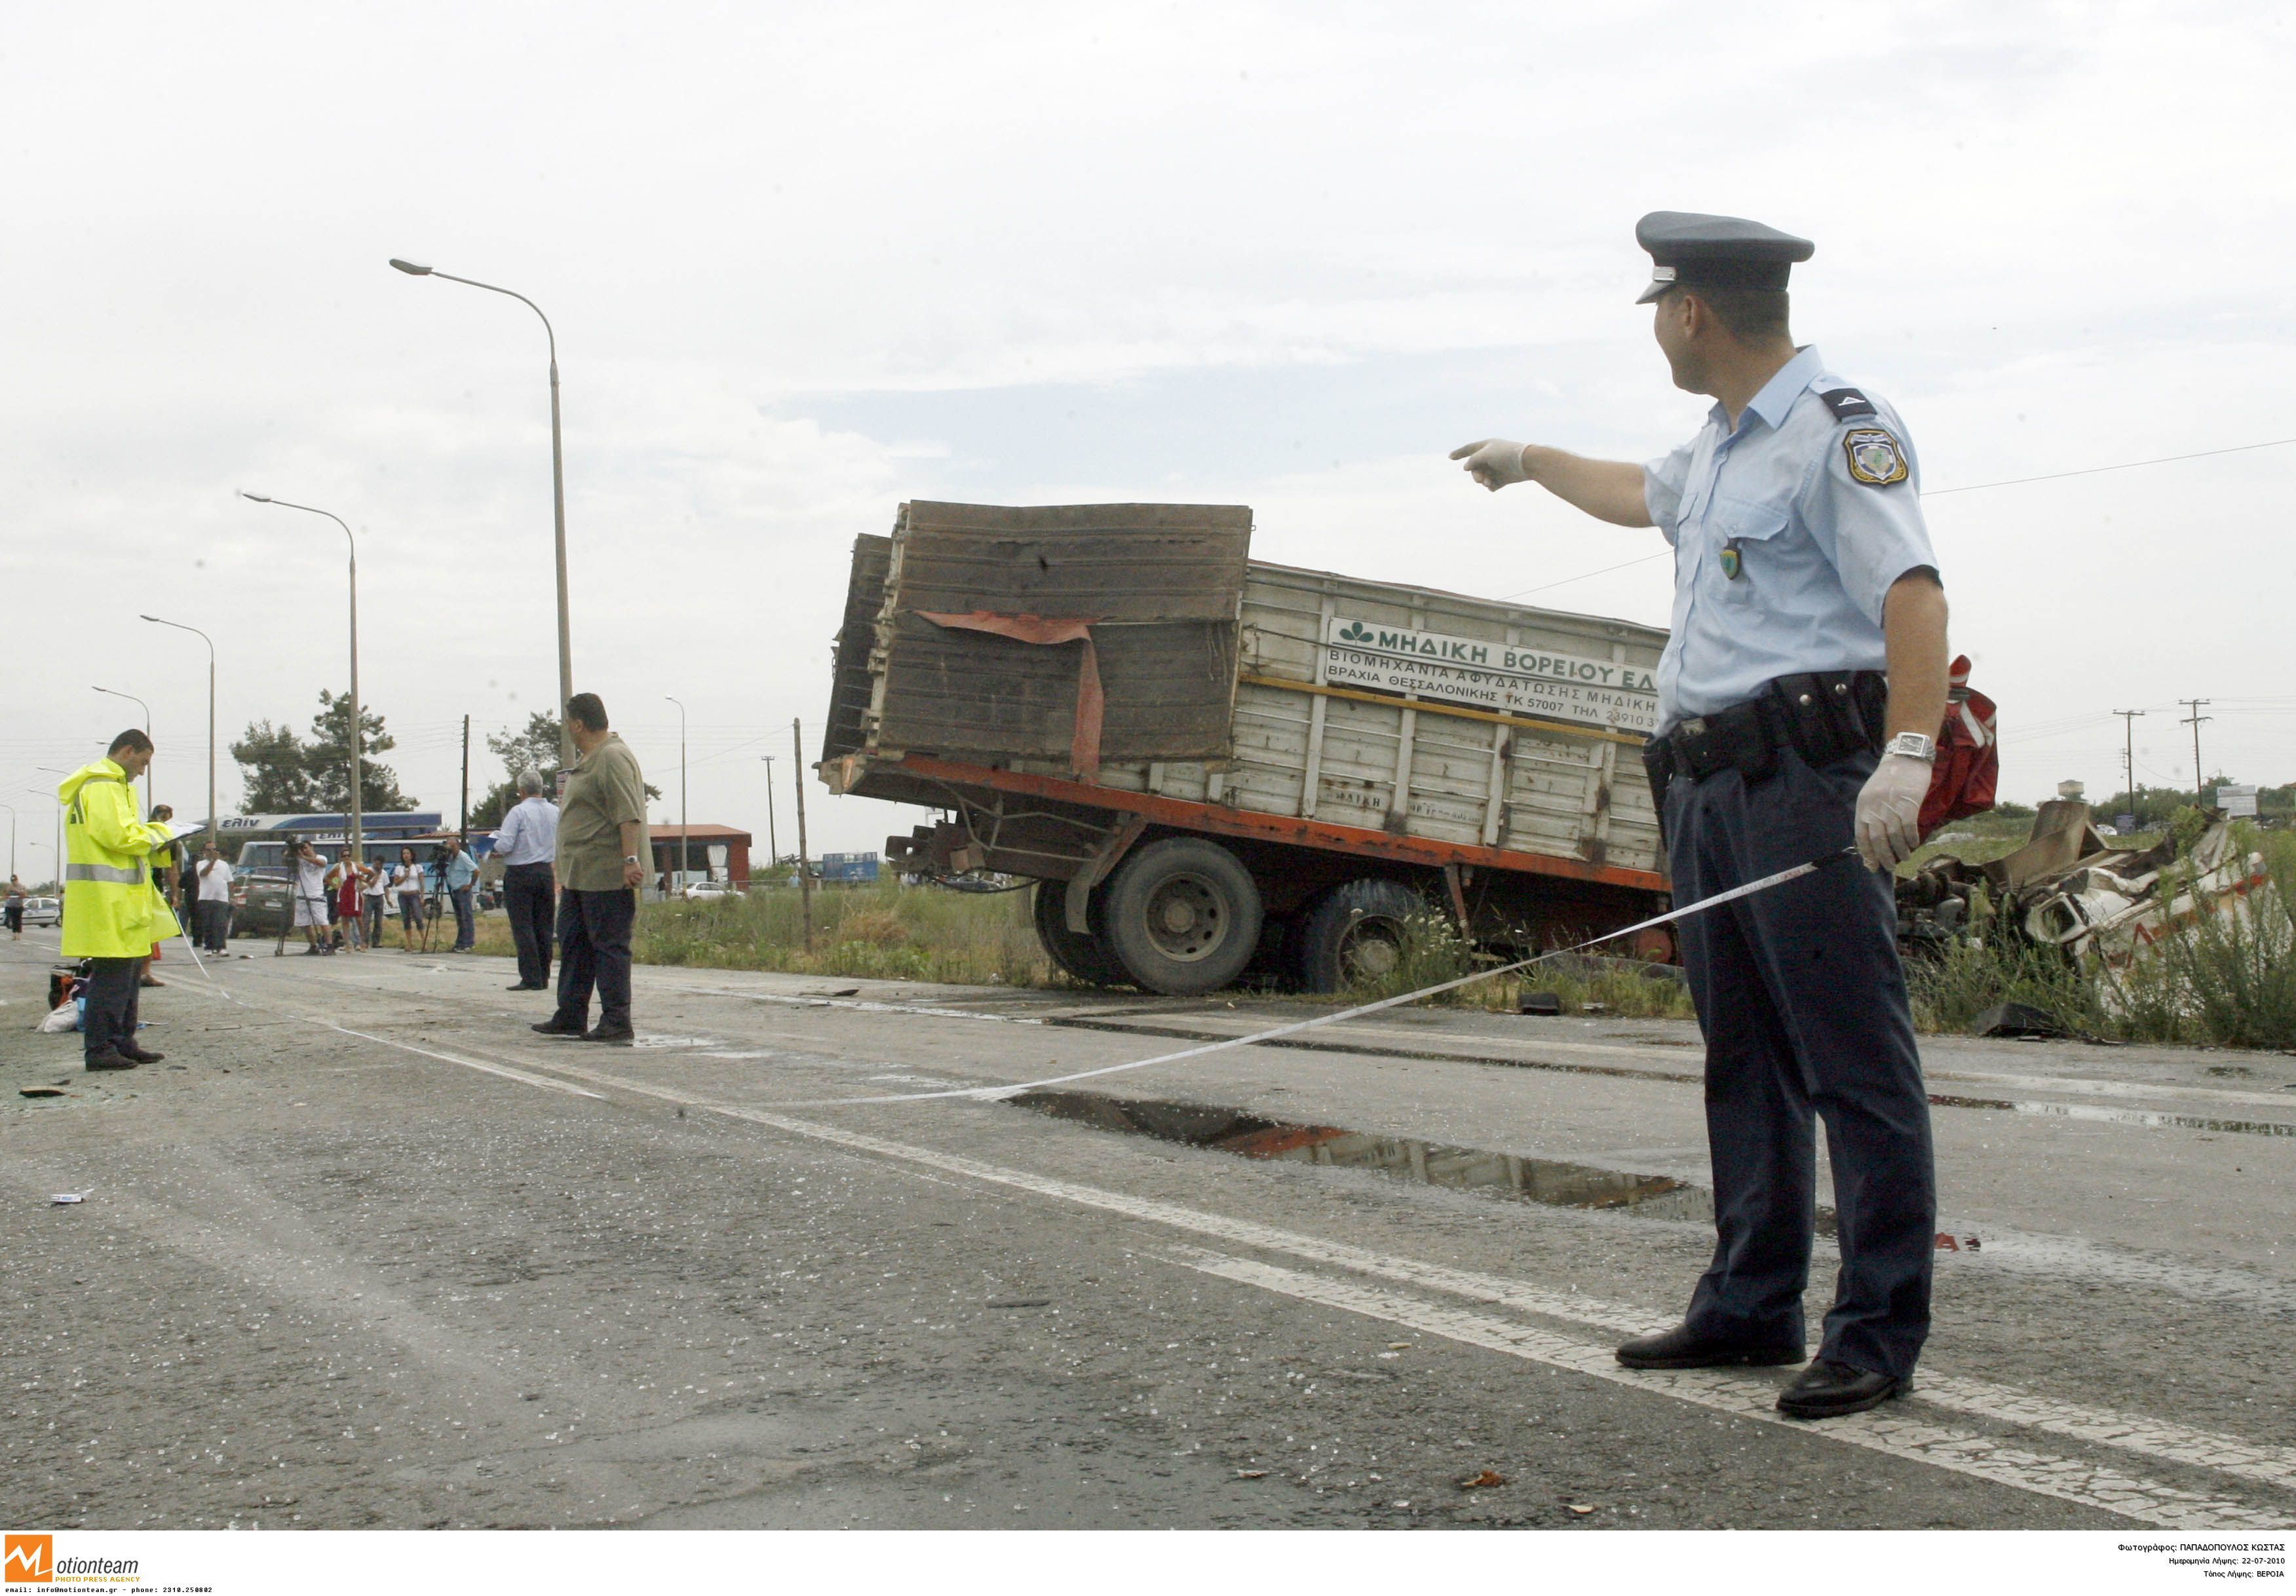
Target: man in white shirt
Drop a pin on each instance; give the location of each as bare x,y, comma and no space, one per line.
211,909
525,844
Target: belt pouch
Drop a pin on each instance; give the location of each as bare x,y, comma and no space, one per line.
1658,766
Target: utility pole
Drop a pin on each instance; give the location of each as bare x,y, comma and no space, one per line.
804,854
2195,721
466,782
2128,753
772,848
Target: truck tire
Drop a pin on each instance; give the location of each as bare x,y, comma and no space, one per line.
1182,916
1355,933
1086,959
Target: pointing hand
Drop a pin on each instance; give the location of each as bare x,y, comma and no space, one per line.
1494,462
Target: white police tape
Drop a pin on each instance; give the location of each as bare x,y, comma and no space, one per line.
994,1093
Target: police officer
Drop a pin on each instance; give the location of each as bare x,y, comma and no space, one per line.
113,913
1801,688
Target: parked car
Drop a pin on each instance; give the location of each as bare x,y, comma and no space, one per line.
43,911
697,891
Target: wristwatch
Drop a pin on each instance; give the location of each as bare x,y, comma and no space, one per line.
630,859
1913,745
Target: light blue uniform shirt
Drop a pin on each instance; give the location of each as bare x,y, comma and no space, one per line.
1821,531
529,833
460,872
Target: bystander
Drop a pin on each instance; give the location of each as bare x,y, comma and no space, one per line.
211,909
602,846
525,844
458,874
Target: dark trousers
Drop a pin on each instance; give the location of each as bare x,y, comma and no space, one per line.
108,1024
1803,1004
213,921
378,910
466,926
593,950
529,893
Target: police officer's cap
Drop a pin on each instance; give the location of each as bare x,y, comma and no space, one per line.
1690,251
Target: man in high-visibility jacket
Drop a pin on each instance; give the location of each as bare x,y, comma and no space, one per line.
112,909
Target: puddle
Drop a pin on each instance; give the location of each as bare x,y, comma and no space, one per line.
2144,1116
1548,1181
1552,1182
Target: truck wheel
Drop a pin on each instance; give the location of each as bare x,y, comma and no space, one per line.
1182,916
1355,933
1085,958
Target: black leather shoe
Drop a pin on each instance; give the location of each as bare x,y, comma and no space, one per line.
142,1055
1827,1390
1683,1347
108,1060
551,1028
523,986
620,1035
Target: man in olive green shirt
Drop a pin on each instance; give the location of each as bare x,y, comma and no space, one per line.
602,846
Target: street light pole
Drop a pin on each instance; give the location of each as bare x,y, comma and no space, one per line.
557,498
214,835
773,847
140,704
12,840
358,718
57,853
684,836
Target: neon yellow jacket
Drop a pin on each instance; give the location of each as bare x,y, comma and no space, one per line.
112,908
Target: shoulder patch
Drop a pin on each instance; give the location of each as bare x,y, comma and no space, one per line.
1846,404
1875,457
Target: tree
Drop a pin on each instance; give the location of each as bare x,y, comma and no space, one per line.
284,774
533,748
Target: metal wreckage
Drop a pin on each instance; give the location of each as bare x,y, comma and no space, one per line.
2070,888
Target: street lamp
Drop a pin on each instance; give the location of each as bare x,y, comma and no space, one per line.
56,853
557,497
55,877
140,704
685,837
12,840
213,835
773,847
359,723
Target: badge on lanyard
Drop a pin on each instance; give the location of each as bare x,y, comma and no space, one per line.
1733,562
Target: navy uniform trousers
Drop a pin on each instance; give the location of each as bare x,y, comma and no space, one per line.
1803,1004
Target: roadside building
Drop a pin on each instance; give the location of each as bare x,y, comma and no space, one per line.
716,853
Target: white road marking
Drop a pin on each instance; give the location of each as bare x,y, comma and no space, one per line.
1960,1451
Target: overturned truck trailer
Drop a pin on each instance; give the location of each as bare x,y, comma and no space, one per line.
1211,765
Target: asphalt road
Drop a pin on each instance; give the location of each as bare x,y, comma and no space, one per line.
365,1251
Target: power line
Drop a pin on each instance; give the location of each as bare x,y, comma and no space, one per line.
2126,465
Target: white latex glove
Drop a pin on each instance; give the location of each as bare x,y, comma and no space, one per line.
1493,461
1890,811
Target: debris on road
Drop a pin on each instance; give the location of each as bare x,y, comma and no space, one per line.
61,1198
39,1092
1483,1481
2015,1019
1251,1474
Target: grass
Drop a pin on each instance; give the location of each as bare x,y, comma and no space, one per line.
2222,979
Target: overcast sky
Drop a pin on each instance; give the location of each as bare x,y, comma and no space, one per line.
806,262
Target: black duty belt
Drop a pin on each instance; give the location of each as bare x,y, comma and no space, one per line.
1823,716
